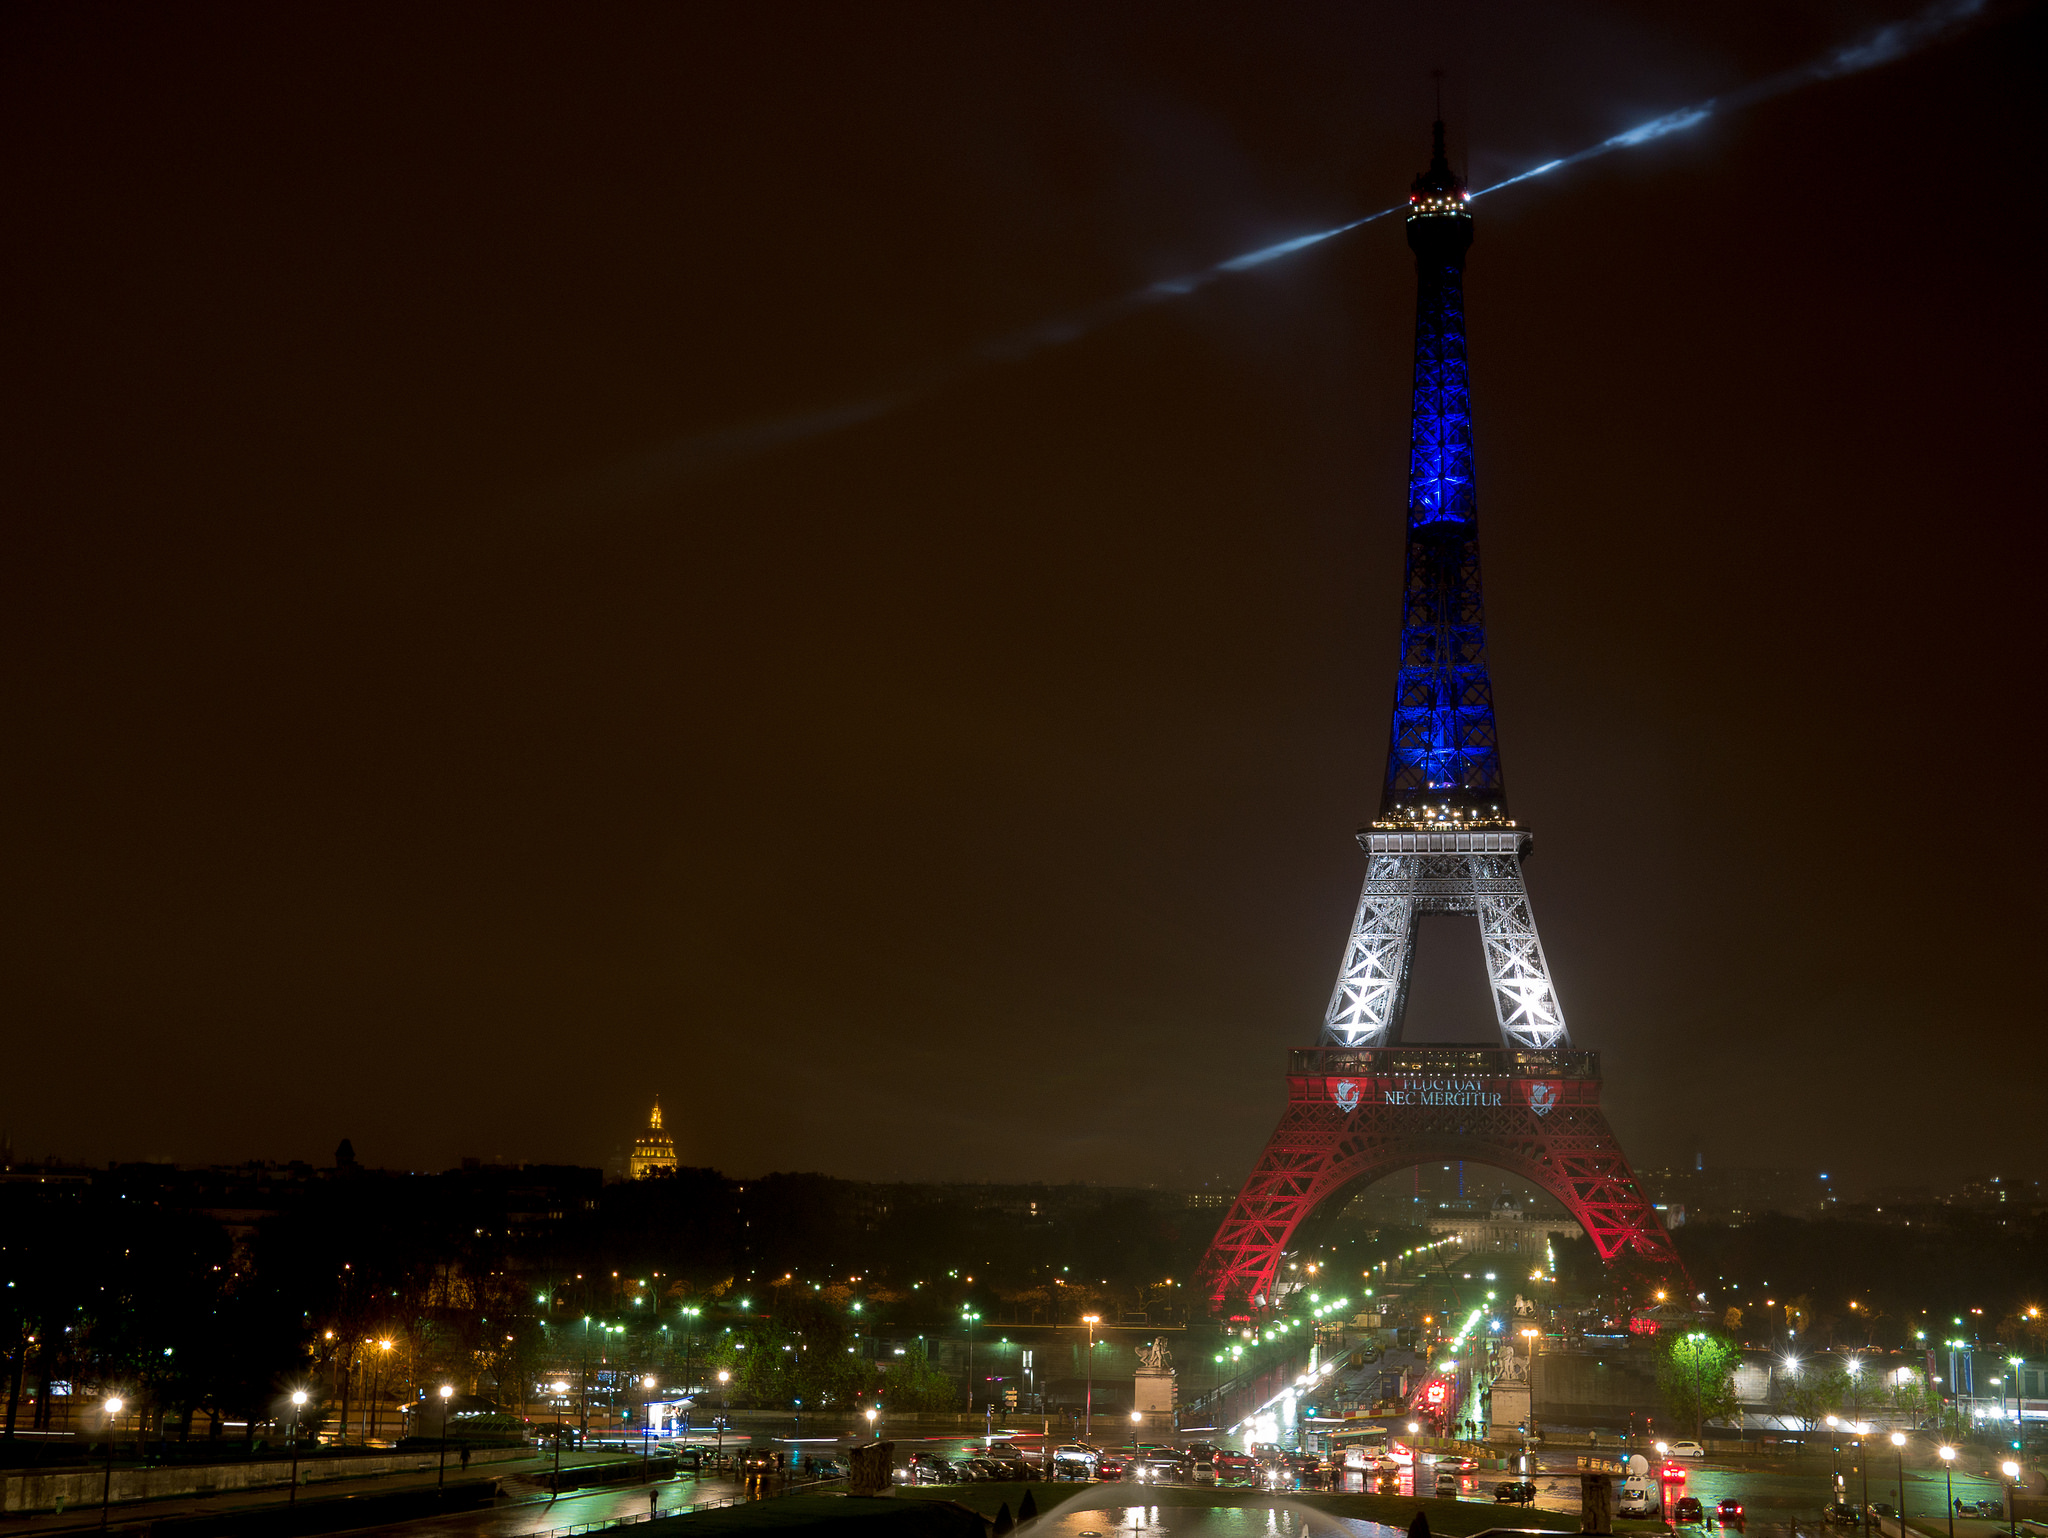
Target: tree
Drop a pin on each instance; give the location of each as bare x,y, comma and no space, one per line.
1696,1375
916,1382
1810,1397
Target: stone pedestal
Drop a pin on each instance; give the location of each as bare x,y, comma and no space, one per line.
1509,1408
1153,1397
873,1469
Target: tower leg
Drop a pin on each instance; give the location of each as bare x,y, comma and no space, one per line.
1372,986
1524,999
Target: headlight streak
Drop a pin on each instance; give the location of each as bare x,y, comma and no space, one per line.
651,474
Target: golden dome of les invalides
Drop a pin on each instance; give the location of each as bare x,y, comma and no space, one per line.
654,1151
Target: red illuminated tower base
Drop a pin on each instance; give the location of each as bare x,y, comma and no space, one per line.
1356,1114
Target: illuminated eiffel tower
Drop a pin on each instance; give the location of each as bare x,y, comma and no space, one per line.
1362,1104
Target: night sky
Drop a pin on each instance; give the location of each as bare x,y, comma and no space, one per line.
448,704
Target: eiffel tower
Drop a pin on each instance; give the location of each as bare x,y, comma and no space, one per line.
1362,1104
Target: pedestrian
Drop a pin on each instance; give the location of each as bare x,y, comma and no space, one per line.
653,1503
465,1460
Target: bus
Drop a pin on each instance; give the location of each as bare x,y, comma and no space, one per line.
1365,1445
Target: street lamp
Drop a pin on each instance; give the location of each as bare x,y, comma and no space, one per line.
646,1430
1948,1479
1863,1464
969,1319
298,1403
1088,1403
1899,1447
2012,1497
1834,1428
447,1393
370,1410
724,1377
1137,1420
113,1408
871,1413
1699,1393
561,1393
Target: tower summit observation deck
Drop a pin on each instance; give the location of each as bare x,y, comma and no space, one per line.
1364,1104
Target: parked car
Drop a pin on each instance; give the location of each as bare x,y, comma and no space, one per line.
1012,1466
1687,1449
978,1467
923,1468
1233,1465
1687,1508
1842,1514
1515,1492
1203,1470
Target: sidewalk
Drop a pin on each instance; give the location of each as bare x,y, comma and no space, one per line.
139,1513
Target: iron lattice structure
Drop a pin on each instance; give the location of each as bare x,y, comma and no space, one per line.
1355,1116
1443,843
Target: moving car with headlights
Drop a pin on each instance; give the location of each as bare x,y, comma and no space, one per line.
1447,1482
1073,1460
1728,1512
1112,1465
1687,1508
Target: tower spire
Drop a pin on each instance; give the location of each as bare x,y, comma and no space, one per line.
1443,755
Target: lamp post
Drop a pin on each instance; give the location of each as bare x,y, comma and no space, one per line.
2012,1497
724,1377
646,1431
1699,1393
1863,1463
1088,1403
968,1320
113,1408
872,1412
561,1393
447,1393
298,1403
1899,1447
1835,1448
1948,1479
376,1389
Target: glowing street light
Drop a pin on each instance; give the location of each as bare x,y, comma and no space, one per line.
1088,1404
298,1404
561,1395
112,1405
447,1393
1948,1475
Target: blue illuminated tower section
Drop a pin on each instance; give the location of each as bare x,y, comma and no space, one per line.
1442,842
1443,761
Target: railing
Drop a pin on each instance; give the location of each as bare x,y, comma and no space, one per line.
1478,1060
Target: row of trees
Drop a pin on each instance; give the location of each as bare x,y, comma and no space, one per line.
1696,1378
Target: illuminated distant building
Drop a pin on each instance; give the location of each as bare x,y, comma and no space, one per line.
654,1151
